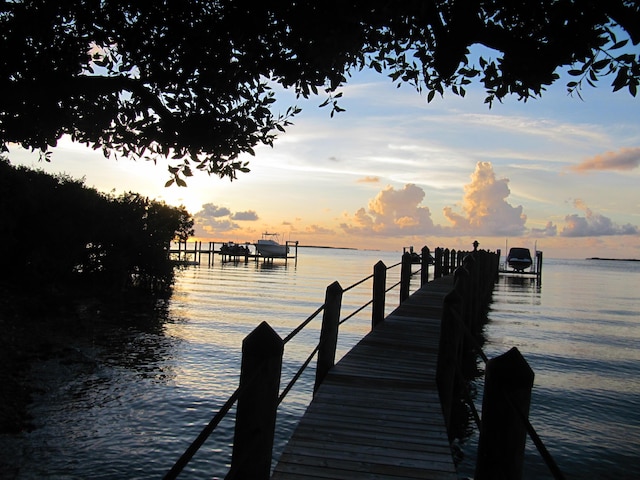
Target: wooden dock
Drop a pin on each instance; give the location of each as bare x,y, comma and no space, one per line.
182,254
377,414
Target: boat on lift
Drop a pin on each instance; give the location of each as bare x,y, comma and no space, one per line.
519,259
269,246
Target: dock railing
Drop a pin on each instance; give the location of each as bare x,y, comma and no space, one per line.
258,395
504,425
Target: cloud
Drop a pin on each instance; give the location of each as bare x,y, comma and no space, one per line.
484,208
209,210
549,230
393,212
318,230
593,224
370,179
213,219
623,160
484,211
248,216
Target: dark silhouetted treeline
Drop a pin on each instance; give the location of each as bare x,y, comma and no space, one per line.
61,238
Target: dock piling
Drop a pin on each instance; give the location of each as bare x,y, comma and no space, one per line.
262,352
328,332
507,396
379,293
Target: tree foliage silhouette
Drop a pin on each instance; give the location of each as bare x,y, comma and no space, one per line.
193,80
64,237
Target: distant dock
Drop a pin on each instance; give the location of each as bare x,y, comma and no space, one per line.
197,252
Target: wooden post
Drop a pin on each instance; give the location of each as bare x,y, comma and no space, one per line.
405,276
507,396
451,335
260,371
446,257
379,293
437,266
539,265
471,292
426,260
328,332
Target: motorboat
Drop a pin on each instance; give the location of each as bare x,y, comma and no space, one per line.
234,249
268,246
519,259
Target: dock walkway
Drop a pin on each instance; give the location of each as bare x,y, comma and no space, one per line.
377,414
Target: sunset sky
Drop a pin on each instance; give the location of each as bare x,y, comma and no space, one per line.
394,171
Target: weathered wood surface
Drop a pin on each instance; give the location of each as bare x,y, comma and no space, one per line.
377,414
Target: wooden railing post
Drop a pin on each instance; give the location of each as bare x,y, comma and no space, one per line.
426,260
437,265
260,372
328,332
446,258
507,396
449,349
405,276
379,293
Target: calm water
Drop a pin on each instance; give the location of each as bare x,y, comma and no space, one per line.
580,332
126,402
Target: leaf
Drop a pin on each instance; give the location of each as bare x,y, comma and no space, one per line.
619,44
169,182
180,182
621,79
574,72
633,89
432,93
600,64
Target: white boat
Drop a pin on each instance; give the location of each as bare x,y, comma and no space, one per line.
519,259
268,246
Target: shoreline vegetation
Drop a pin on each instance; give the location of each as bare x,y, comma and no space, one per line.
74,256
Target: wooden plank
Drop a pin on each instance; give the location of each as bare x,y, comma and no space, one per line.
377,415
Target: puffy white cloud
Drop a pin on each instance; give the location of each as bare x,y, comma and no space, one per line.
624,159
485,210
393,212
593,224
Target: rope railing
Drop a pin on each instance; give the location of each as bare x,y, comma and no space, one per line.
300,327
457,315
298,374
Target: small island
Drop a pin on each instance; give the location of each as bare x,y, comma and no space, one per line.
616,259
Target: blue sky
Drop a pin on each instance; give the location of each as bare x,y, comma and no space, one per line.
393,171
